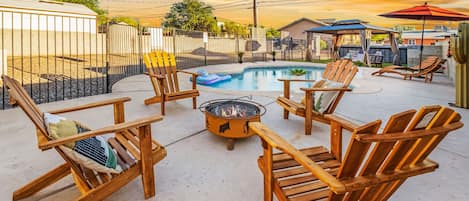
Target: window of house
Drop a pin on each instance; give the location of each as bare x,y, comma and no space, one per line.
412,42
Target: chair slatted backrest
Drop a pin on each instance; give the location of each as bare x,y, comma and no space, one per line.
342,71
19,96
164,64
432,67
427,63
400,151
147,59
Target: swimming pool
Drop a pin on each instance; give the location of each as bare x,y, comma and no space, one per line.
266,78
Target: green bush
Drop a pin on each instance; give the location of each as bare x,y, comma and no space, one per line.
297,72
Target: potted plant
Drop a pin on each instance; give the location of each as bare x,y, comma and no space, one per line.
240,57
297,72
273,55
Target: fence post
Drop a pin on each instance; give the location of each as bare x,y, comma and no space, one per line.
252,44
205,40
236,47
174,42
140,32
108,39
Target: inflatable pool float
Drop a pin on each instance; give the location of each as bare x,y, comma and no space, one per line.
207,79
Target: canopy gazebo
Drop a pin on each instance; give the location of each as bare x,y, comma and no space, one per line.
353,27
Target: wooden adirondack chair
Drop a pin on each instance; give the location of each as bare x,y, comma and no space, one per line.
137,152
340,71
161,68
374,166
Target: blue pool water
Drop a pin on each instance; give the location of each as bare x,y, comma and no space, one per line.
266,78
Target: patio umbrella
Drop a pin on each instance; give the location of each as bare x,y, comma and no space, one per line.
426,12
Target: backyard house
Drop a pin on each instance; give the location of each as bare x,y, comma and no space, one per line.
297,29
39,21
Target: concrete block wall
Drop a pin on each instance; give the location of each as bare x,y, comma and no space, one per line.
413,53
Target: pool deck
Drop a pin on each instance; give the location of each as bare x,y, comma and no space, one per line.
198,166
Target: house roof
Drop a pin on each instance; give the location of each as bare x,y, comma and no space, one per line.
47,6
429,34
350,27
300,20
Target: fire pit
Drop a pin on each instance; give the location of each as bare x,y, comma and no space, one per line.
230,118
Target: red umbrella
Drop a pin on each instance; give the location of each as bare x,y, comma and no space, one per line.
426,12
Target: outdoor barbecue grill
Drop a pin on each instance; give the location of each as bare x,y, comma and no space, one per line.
230,118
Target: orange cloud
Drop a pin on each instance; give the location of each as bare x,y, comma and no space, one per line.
280,13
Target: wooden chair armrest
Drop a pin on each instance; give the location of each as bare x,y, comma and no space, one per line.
324,89
286,85
91,105
274,140
187,72
102,131
155,76
348,125
294,80
194,77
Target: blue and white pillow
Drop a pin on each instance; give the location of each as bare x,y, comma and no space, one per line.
93,153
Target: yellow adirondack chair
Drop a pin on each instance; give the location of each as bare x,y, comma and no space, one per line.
374,166
161,68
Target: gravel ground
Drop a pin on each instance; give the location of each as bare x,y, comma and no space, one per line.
53,78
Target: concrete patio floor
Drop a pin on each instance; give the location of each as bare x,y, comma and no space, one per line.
200,168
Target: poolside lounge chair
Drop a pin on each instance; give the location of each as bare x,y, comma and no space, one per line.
396,154
429,66
136,151
161,68
342,71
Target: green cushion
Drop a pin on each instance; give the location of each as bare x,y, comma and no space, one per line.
93,153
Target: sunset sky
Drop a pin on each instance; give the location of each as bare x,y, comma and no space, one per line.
276,13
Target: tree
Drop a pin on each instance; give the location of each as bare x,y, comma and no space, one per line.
236,29
272,33
379,37
323,45
191,15
128,20
402,28
93,5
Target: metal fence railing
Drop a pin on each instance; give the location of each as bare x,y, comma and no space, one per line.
63,57
59,57
53,57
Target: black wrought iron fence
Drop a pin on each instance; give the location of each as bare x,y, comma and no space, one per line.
54,57
59,57
386,51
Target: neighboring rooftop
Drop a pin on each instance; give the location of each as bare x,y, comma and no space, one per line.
436,33
328,20
349,27
301,20
46,6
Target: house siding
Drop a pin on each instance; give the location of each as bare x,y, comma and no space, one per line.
297,31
